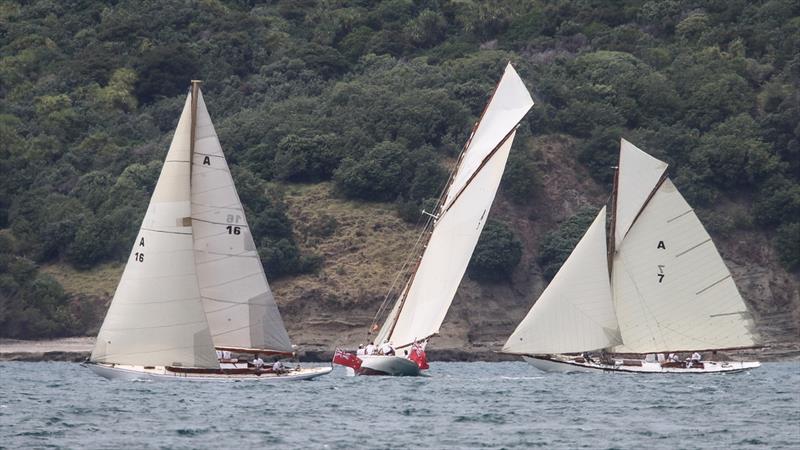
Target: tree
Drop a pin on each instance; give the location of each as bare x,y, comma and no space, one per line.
497,253
558,245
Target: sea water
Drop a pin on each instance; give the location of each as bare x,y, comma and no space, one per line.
460,405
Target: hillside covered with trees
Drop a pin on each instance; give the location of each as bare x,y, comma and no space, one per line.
359,108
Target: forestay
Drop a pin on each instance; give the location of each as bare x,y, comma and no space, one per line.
672,290
638,175
575,312
156,316
239,304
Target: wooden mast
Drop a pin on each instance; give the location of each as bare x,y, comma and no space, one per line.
195,94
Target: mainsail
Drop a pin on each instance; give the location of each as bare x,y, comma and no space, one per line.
241,311
575,312
156,316
670,288
420,310
193,280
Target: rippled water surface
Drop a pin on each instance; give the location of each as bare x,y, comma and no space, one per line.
460,405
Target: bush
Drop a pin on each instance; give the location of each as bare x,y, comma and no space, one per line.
787,241
497,254
557,245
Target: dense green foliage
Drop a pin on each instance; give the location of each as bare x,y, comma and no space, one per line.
497,253
558,244
376,96
31,303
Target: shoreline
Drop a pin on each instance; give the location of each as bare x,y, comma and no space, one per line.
77,349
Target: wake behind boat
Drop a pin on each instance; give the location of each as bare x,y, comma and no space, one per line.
653,284
447,241
194,289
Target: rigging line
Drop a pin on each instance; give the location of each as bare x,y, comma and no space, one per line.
176,161
440,202
475,173
234,302
167,232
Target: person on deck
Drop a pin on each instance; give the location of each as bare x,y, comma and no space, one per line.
370,350
278,367
696,356
258,362
673,358
361,351
387,349
588,357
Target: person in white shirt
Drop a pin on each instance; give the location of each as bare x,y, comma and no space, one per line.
258,362
696,356
386,348
278,367
673,357
361,350
370,349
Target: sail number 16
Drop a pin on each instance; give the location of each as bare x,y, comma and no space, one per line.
233,230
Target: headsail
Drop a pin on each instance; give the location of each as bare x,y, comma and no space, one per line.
639,173
419,313
508,105
575,312
157,316
239,304
672,290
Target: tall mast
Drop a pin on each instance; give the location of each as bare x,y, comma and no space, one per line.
195,94
611,241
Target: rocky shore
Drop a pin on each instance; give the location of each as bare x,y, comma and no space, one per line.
77,349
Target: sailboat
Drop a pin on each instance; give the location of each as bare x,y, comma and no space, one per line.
655,284
193,289
452,231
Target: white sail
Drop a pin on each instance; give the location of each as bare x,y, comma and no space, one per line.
639,173
156,316
672,290
448,252
509,104
239,304
575,312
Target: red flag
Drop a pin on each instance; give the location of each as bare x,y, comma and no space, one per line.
418,356
344,358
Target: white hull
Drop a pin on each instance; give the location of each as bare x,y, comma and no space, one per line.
395,366
160,373
560,364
